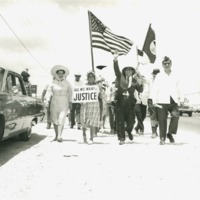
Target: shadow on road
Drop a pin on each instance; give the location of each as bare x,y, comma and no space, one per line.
11,147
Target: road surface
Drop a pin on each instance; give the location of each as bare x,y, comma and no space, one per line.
71,170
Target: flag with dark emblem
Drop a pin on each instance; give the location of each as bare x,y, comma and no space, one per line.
103,38
149,46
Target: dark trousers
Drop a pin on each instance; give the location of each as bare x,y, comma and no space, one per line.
140,112
75,112
111,114
125,116
152,113
48,115
163,115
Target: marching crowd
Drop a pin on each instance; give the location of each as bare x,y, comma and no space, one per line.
125,102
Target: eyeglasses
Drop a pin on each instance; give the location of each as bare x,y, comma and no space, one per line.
166,63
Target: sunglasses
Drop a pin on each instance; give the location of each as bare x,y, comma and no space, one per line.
166,63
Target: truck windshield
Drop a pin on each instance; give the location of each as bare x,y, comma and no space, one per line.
2,71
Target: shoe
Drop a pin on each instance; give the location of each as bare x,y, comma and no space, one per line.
90,142
48,125
130,136
84,139
141,133
112,131
170,137
136,131
162,141
154,135
121,142
59,139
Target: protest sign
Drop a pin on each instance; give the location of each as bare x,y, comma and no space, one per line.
83,94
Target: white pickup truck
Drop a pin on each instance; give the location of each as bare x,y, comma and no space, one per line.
187,109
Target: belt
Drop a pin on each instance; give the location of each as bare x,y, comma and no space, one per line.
124,95
59,95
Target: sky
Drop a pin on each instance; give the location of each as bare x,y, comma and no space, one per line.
38,34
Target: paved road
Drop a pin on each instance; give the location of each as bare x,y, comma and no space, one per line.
190,124
140,169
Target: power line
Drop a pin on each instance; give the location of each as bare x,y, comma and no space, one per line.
35,35
192,93
22,43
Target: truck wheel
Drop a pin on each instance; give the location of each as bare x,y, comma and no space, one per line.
181,113
190,114
25,136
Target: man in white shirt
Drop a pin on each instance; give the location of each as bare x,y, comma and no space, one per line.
166,96
75,111
152,109
111,107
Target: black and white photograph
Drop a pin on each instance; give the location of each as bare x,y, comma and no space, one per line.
99,99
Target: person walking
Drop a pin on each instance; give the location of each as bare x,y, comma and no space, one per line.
47,109
141,106
111,106
91,112
60,93
167,96
100,81
151,108
127,83
103,93
141,109
76,107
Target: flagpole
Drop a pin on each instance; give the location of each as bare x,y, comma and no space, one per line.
137,57
89,17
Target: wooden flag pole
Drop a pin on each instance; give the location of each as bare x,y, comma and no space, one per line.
89,17
137,58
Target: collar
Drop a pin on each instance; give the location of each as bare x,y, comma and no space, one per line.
60,80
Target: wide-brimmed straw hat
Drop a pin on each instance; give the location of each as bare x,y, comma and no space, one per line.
57,68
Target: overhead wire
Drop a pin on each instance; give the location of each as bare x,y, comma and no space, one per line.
20,41
36,37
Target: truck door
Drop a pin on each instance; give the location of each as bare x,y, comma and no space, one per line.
13,107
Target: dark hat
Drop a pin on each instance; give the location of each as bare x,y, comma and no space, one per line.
128,67
101,67
165,59
155,71
77,74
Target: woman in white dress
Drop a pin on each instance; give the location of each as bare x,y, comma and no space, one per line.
59,93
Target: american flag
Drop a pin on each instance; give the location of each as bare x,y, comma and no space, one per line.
104,39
